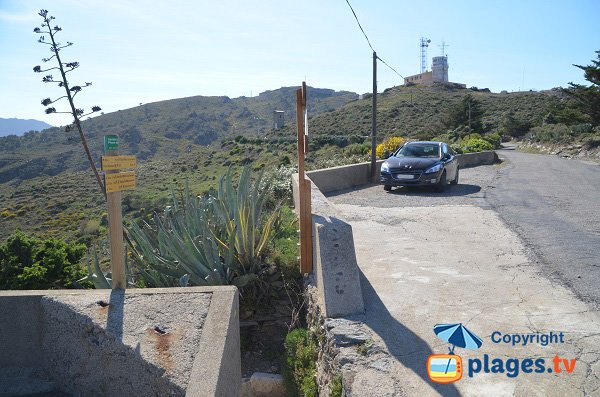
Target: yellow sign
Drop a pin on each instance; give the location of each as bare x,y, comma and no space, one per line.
114,163
119,181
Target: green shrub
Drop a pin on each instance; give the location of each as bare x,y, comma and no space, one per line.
551,133
32,263
494,139
472,145
301,357
357,149
337,387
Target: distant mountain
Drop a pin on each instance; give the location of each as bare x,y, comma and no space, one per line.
20,126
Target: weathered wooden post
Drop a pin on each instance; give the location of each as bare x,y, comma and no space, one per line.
115,182
304,185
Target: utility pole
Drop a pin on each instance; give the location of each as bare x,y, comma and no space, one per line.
469,116
374,118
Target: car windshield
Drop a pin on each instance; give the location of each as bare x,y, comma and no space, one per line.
419,150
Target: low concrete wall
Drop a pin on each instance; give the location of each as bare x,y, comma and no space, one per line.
335,270
475,159
343,177
175,341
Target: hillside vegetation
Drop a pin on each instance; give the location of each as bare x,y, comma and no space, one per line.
47,189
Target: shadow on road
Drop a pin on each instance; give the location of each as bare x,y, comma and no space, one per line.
402,343
451,191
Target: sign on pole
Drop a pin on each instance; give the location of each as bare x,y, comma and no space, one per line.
111,142
114,183
119,181
114,163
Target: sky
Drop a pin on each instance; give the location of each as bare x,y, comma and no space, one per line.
145,51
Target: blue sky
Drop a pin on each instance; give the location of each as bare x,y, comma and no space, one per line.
144,51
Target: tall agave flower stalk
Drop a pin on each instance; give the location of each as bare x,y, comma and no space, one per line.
214,240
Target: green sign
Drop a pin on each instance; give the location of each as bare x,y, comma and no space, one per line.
111,142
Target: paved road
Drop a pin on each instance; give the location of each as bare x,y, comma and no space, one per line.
554,206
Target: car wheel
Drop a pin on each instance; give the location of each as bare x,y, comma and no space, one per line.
441,185
387,188
455,181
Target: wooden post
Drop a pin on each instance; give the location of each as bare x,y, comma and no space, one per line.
115,233
304,186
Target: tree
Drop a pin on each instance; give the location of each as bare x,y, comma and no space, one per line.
588,97
468,113
70,91
31,263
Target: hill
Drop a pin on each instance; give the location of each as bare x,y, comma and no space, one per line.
46,186
21,126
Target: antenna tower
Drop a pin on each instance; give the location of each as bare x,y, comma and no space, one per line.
443,47
424,44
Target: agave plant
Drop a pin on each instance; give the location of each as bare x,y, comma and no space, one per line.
100,279
216,239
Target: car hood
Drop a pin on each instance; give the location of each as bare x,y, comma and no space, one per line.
410,163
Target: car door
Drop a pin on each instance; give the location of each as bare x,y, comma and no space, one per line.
451,162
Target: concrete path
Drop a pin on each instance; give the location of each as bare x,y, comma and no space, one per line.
424,263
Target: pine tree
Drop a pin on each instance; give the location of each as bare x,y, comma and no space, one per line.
588,97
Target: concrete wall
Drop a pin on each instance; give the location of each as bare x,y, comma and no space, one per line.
475,159
106,343
335,270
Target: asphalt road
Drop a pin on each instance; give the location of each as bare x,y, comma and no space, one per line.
554,206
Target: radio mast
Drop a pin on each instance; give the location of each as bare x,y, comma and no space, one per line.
424,44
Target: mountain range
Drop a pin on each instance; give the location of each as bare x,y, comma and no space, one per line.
20,126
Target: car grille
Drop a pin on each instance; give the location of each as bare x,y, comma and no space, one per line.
404,171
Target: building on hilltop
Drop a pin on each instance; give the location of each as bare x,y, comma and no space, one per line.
437,74
278,119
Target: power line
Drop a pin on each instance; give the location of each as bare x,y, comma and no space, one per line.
385,63
369,42
357,21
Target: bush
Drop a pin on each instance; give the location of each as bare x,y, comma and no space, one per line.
473,144
32,263
551,133
390,144
494,139
301,357
357,149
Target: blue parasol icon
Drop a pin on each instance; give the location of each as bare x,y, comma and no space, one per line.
457,335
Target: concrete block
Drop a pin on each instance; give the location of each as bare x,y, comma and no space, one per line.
267,385
335,269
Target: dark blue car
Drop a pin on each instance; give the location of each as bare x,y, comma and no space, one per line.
420,164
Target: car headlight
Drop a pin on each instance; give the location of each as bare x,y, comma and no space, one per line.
433,169
385,167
